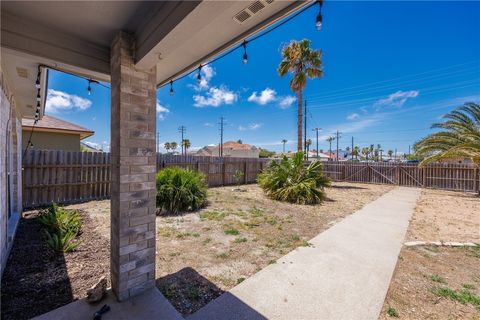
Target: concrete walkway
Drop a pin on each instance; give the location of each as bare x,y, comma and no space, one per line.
344,275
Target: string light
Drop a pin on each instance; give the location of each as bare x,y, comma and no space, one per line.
319,19
37,83
245,56
199,76
38,95
318,24
89,89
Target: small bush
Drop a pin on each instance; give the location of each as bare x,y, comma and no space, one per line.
290,180
180,190
392,312
61,227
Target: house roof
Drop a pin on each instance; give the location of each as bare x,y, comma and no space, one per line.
52,124
238,146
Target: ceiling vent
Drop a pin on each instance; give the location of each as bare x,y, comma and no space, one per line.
22,72
251,10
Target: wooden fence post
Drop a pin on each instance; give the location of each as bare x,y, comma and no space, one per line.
245,172
223,172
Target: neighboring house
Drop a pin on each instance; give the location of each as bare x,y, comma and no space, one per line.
231,149
51,133
321,156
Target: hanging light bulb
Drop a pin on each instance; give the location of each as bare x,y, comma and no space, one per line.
38,95
171,87
245,56
38,106
89,89
37,83
318,22
199,76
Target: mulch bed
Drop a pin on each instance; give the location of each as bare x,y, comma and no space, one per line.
38,279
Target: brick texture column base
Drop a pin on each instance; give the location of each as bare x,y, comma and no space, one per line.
133,121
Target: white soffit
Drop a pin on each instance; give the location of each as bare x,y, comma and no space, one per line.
212,27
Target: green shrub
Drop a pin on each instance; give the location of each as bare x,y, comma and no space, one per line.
62,227
290,180
180,190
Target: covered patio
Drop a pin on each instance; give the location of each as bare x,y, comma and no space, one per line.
137,47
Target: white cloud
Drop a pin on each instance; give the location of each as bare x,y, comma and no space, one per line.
207,72
215,97
58,101
104,146
286,102
353,116
253,126
396,99
266,96
208,124
161,111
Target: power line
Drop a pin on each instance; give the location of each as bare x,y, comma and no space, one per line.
182,129
220,149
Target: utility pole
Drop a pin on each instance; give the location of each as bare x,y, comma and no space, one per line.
338,136
305,129
408,150
220,148
317,129
182,130
395,154
351,151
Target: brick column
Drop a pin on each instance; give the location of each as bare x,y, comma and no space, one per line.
133,115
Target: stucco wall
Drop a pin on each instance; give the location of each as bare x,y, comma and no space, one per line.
52,140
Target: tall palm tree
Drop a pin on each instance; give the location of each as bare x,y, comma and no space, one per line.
330,140
303,62
186,144
459,137
167,146
284,141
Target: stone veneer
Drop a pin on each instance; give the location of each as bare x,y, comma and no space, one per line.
133,121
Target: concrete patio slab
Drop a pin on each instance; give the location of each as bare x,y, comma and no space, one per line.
150,305
345,274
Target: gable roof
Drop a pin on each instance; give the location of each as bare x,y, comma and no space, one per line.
53,124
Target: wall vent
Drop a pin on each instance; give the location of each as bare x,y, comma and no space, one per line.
254,8
22,72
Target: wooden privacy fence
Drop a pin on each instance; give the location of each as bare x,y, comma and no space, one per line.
67,177
458,177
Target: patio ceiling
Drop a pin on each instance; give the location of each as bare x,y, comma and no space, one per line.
76,36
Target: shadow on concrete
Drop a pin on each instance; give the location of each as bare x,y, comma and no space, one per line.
35,279
195,297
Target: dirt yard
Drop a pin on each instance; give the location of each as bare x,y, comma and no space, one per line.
433,282
199,255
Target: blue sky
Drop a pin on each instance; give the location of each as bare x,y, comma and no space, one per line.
391,70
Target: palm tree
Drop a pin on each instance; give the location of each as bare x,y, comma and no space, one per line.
284,141
366,152
173,146
330,140
186,144
167,146
356,151
459,138
302,61
308,143
390,153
